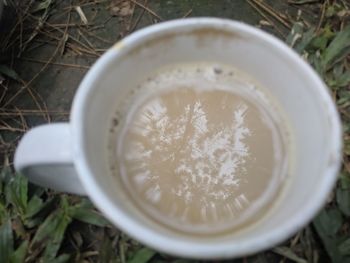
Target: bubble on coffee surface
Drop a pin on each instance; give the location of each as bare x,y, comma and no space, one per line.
198,154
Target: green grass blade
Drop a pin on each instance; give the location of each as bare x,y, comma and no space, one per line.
85,212
343,200
56,237
46,228
3,213
344,248
35,215
34,206
88,216
41,5
336,48
142,256
295,34
107,251
6,241
305,40
5,174
19,255
50,234
288,253
17,193
327,224
61,259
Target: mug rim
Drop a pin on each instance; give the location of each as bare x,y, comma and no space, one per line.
176,246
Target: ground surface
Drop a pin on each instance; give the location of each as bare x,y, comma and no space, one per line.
47,47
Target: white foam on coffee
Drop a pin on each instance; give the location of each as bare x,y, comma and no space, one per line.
201,77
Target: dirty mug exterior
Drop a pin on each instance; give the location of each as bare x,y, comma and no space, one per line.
73,157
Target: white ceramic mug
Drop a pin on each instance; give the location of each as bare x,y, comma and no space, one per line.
72,157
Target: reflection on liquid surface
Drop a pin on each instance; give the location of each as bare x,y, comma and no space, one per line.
201,158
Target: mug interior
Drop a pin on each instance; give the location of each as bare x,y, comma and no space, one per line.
304,98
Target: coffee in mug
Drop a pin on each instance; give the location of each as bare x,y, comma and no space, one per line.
203,148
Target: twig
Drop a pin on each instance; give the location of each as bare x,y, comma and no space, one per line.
7,127
11,129
72,25
295,240
76,49
148,10
128,27
345,4
5,46
55,63
274,14
138,19
65,34
4,92
101,49
24,123
303,2
323,11
21,34
74,39
307,23
45,110
36,101
303,9
187,13
8,113
26,85
40,24
86,40
97,37
91,51
267,18
59,13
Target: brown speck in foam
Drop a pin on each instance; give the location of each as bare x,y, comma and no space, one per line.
217,70
115,122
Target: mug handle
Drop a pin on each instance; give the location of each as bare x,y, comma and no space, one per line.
45,156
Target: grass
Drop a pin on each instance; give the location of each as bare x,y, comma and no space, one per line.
39,225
